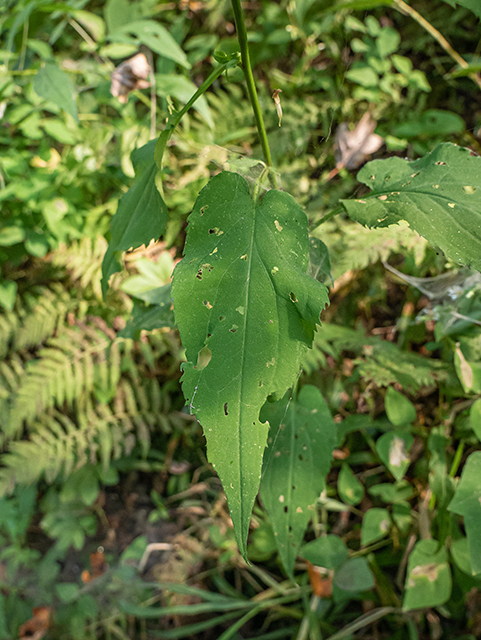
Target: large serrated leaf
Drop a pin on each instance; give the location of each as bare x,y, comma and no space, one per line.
300,446
438,195
247,312
141,215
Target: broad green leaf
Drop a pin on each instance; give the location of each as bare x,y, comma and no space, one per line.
155,36
329,552
354,575
118,13
400,411
393,449
438,195
387,41
54,85
428,578
141,215
247,312
301,442
350,489
433,122
473,5
467,503
375,525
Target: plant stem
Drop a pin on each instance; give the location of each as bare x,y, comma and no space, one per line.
407,10
174,120
251,86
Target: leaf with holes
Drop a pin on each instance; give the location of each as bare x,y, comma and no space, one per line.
247,312
300,443
438,195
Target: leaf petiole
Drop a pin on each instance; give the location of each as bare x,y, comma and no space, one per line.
175,118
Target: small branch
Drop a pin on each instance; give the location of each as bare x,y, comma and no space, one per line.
251,85
407,10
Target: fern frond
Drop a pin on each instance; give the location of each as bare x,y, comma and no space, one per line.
83,260
378,361
352,246
63,371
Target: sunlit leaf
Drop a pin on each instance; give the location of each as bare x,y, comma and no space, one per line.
438,195
245,305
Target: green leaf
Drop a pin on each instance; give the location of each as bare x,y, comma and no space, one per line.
329,552
8,294
54,85
362,74
375,525
433,122
475,418
117,13
245,305
301,442
11,235
141,215
473,5
93,23
354,575
467,503
350,489
393,449
155,36
67,591
400,411
438,195
387,41
428,578
149,317
460,553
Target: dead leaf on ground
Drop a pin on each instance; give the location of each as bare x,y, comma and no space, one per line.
352,148
321,580
98,564
37,626
130,75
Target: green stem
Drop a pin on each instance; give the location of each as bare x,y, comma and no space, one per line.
174,120
251,85
327,217
457,460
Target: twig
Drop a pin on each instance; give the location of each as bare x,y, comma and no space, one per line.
406,9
